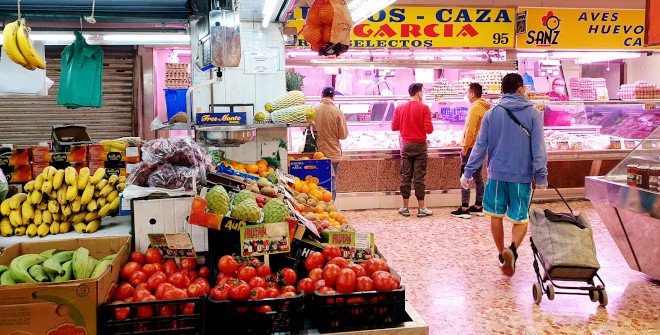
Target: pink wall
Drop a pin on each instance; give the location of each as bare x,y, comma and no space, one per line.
161,56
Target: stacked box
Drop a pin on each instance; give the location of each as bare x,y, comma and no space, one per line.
15,164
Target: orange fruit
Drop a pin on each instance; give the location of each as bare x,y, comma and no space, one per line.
313,187
270,169
239,166
262,162
327,196
313,17
262,168
326,14
327,34
319,155
304,158
263,174
312,33
319,210
252,168
317,194
305,188
314,180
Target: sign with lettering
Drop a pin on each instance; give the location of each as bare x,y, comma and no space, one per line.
173,245
579,29
358,247
265,239
233,118
427,27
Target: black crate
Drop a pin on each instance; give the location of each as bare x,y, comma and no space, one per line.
358,310
244,317
189,324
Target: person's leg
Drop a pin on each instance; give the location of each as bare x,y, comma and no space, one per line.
497,229
479,187
419,179
406,179
335,174
495,207
519,200
465,194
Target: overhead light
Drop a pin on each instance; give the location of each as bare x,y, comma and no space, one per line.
581,57
364,9
269,9
148,38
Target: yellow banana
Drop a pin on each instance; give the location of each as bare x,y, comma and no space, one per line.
55,228
100,202
122,179
80,227
115,204
26,47
49,173
92,206
43,230
78,217
121,187
29,186
36,196
10,44
112,196
31,230
38,217
47,217
54,206
91,216
113,179
87,195
93,226
47,187
42,205
15,218
16,200
6,228
76,205
105,210
71,193
58,179
24,221
57,216
65,227
83,178
98,175
61,195
66,210
5,209
70,176
53,195
106,190
20,231
27,211
101,184
39,181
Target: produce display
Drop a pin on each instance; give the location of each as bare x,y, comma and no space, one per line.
258,169
54,266
18,46
287,108
60,200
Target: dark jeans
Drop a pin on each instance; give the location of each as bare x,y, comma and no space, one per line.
478,181
414,157
335,173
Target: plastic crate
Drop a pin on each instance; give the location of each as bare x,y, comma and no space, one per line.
175,101
358,310
63,136
242,317
189,324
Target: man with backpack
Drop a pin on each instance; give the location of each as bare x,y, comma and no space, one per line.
512,135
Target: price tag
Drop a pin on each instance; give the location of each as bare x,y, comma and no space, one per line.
173,245
358,247
265,239
132,152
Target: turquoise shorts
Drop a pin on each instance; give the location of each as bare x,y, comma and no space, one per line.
503,199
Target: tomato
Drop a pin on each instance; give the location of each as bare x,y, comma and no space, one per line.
289,288
140,292
339,261
204,284
166,310
138,277
359,271
175,293
287,295
289,276
376,264
246,273
155,280
240,291
169,267
346,281
144,312
263,309
162,288
121,313
124,291
257,293
319,283
384,281
136,257
178,279
188,263
315,274
158,266
193,275
227,281
255,262
272,292
330,273
263,271
188,308
228,265
257,282
153,256
314,260
204,272
306,285
220,294
129,268
364,284
195,290
129,299
330,252
326,290
149,269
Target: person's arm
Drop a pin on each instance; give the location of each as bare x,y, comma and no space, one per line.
470,130
479,150
539,155
343,129
428,125
395,120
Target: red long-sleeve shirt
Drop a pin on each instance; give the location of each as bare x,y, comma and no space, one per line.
413,121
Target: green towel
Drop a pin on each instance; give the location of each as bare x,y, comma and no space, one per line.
82,75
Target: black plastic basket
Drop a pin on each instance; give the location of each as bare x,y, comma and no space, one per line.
244,317
358,310
178,323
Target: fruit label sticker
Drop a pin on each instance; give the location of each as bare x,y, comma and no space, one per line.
358,247
132,152
173,245
265,239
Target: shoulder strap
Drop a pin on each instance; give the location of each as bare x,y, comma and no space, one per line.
525,130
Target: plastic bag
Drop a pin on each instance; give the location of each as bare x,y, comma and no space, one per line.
4,186
173,177
176,151
328,27
140,174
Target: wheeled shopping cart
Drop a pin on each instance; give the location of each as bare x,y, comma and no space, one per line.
563,245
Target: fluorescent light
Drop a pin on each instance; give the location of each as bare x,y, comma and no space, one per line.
581,57
269,9
363,9
148,38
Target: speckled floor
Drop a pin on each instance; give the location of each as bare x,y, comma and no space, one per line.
449,268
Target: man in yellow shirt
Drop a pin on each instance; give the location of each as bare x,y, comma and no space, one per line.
475,114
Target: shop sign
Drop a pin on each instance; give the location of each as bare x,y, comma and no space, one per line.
233,118
427,27
173,245
562,28
265,239
358,247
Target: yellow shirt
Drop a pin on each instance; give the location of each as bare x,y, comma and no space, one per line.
473,122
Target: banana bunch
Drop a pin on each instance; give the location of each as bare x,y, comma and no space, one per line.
53,265
59,201
114,145
18,46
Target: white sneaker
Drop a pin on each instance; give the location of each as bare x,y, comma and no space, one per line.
404,211
423,212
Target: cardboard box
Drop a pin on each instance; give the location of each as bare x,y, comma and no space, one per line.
119,169
77,154
17,157
17,174
318,168
39,308
38,168
98,152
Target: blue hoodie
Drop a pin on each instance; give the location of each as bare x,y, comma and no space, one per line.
511,155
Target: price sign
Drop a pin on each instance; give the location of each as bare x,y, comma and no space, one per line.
173,245
358,247
265,239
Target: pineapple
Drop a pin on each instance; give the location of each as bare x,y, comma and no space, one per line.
262,117
294,81
295,114
288,99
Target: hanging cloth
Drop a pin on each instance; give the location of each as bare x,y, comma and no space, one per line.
82,75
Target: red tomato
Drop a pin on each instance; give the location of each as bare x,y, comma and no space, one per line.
195,290
240,291
272,292
263,309
263,271
149,269
326,290
121,313
257,293
376,264
289,288
289,276
140,292
330,273
169,267
228,265
129,268
188,308
188,263
384,281
315,274
124,291
138,277
314,260
364,284
129,299
246,273
359,270
319,283
257,282
255,262
166,310
330,252
136,257
155,280
175,293
204,284
144,312
204,272
193,275
220,294
287,295
339,261
158,266
162,288
153,256
306,285
346,281
178,279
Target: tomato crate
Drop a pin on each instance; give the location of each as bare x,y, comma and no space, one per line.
176,322
358,310
266,316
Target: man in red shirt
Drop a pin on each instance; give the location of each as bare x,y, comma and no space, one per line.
413,121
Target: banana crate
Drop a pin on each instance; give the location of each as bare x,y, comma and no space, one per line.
67,307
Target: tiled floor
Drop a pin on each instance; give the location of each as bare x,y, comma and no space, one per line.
449,268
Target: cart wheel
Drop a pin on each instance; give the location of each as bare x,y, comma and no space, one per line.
593,295
550,291
537,291
602,296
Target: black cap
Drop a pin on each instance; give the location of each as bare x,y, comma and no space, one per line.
328,91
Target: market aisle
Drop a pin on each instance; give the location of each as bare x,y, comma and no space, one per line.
449,267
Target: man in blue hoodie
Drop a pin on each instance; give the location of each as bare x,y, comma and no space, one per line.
512,135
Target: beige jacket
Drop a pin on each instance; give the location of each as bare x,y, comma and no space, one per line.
330,125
